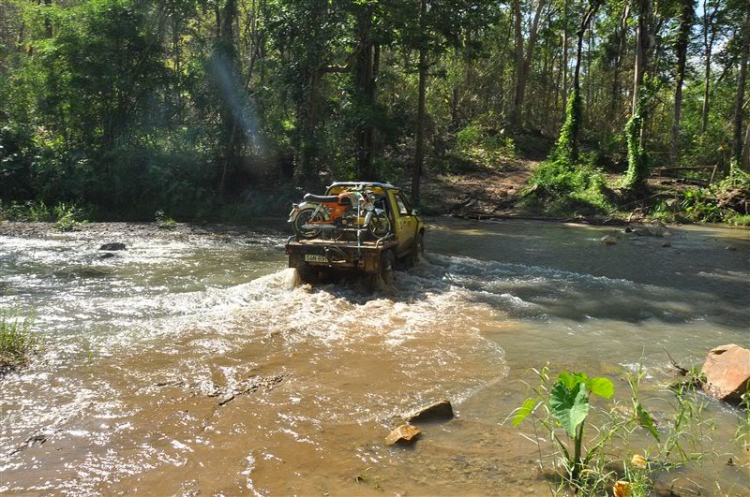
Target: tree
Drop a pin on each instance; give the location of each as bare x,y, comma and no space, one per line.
710,30
741,83
681,47
523,55
567,143
634,129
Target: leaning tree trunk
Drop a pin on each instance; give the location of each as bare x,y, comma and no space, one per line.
683,38
419,152
741,83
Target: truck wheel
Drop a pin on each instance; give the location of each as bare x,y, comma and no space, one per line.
418,250
307,274
387,266
416,253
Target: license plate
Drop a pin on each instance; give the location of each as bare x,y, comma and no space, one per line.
316,258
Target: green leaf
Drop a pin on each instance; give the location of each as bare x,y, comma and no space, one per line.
525,411
645,420
570,380
569,406
602,387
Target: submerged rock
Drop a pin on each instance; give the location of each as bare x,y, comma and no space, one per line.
655,231
608,240
404,434
727,371
112,247
439,411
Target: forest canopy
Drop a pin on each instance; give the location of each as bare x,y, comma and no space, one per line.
182,105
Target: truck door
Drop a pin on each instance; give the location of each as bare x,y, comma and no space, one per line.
406,223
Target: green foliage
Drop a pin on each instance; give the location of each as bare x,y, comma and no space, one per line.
566,149
568,403
558,187
481,144
638,159
699,206
589,456
16,340
164,221
66,216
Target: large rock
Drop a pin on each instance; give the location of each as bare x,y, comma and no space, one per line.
112,247
404,434
439,411
727,371
608,240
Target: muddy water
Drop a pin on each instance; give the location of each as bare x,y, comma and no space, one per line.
189,365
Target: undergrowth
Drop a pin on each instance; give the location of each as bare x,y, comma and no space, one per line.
65,216
559,187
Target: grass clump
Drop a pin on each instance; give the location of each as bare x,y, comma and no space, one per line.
164,221
65,216
17,341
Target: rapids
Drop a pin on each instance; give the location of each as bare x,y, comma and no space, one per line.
194,364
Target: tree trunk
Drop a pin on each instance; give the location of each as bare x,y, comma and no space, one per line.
709,35
567,143
683,38
641,38
366,89
565,58
634,130
419,152
226,63
523,62
741,83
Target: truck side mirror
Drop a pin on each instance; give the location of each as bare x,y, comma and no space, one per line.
414,212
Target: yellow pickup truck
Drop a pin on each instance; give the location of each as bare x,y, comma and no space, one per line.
375,258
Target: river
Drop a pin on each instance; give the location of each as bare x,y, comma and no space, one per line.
193,364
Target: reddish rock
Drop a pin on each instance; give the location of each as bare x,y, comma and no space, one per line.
727,371
404,434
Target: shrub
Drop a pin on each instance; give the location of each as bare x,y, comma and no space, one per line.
560,187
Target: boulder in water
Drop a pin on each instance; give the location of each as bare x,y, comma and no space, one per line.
439,411
657,231
727,371
113,247
608,240
404,435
